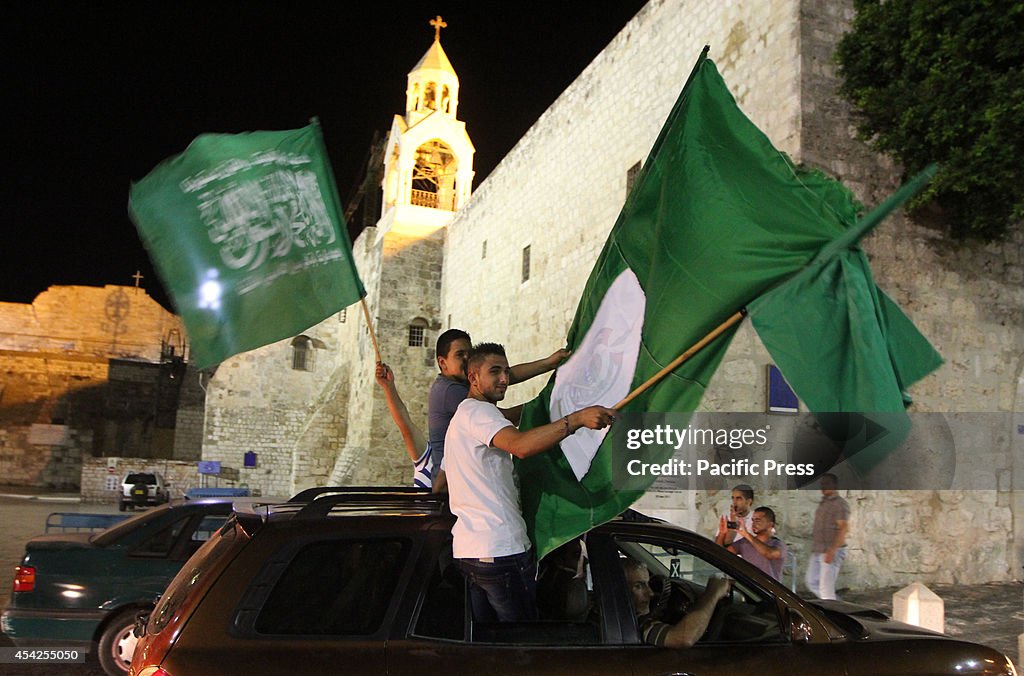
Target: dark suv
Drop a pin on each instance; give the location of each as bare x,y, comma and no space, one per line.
362,581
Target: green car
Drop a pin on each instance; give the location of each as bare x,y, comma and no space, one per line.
85,590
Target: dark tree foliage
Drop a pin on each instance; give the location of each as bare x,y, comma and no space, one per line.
943,81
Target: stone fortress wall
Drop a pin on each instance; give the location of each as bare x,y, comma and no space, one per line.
80,375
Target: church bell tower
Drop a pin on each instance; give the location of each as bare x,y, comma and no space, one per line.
427,178
428,158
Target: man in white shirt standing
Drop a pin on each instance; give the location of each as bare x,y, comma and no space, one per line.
489,537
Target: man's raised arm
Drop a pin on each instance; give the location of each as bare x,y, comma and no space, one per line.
540,439
525,371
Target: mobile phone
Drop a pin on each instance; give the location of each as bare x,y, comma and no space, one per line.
732,525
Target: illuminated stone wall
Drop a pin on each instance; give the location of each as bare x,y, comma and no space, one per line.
80,375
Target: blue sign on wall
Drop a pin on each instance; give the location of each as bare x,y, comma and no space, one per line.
209,466
781,398
249,459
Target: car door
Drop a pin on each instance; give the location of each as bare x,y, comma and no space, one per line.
442,636
751,631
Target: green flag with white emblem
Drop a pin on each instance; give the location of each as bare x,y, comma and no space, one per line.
717,218
247,234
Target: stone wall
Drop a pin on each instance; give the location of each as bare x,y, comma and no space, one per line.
258,402
81,375
402,271
115,321
188,426
561,188
101,477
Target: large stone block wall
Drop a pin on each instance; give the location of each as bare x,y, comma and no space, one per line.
969,301
85,359
63,393
561,188
115,321
290,418
188,424
402,271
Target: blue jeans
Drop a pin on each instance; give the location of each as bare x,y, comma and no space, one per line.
502,591
821,576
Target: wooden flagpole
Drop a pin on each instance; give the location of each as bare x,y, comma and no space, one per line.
717,331
369,325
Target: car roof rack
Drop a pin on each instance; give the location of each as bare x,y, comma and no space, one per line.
321,500
317,491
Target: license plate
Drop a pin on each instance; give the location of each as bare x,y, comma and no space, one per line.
139,491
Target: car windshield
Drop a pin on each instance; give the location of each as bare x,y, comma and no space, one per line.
117,531
140,478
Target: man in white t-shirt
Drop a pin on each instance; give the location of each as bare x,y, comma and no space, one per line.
489,537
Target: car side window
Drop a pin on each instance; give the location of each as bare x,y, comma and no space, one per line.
334,588
207,527
678,578
161,543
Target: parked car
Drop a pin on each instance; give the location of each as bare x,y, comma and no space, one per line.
139,489
364,580
85,589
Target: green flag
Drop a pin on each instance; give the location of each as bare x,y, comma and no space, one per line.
863,353
718,217
247,235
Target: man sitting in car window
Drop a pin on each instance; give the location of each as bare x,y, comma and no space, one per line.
687,630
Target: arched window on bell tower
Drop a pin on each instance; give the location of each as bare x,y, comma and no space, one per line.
433,176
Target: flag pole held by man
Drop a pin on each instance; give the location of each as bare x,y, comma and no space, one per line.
718,221
247,234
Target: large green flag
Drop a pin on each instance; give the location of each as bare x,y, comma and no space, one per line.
717,218
247,234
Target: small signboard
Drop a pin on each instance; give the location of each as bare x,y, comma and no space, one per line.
209,467
249,459
781,397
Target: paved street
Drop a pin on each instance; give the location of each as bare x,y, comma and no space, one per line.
992,614
23,518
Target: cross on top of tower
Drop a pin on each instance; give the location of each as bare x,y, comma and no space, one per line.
438,23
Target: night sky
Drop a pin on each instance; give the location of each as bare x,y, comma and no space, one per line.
95,98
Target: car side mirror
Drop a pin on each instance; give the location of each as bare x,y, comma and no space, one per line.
799,628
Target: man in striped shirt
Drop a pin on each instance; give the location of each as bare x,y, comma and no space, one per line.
416,445
685,632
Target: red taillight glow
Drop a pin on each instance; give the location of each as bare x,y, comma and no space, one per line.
154,671
24,578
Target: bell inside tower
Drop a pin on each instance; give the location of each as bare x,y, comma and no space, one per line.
433,176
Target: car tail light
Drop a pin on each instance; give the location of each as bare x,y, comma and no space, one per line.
24,578
154,671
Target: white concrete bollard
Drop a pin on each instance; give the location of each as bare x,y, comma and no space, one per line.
918,605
